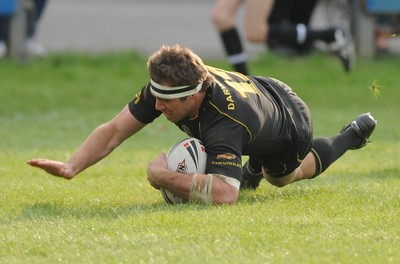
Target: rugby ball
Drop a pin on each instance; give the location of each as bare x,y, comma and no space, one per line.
186,156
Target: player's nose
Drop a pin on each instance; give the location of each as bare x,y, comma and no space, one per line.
159,105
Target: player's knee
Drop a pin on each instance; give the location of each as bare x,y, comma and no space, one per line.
221,19
255,35
280,181
251,37
277,182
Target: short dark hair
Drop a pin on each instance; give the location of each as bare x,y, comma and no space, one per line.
177,66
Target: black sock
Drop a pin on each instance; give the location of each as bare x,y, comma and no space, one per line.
328,150
282,33
289,34
233,48
254,165
326,35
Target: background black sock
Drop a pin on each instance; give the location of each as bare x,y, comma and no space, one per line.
282,33
233,48
327,35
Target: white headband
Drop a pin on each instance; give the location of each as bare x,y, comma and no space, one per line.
167,92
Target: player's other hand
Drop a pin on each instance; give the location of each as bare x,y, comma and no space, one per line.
156,169
53,167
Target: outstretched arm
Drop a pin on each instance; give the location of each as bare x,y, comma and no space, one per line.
101,142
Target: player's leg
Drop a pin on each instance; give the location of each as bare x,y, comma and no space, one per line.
289,25
224,16
32,45
251,174
306,170
325,151
353,136
257,13
3,35
289,30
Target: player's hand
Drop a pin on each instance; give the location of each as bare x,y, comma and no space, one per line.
53,167
156,169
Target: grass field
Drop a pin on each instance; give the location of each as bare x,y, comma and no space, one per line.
110,214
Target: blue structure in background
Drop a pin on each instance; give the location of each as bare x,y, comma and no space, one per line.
8,7
383,6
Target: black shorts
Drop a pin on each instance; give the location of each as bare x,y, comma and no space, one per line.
292,11
292,151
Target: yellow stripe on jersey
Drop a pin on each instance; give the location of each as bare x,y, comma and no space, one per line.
241,83
237,121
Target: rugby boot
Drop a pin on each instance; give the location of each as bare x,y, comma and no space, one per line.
363,125
250,179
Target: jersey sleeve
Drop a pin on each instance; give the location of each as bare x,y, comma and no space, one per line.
224,149
142,107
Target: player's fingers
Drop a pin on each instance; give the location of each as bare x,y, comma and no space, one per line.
43,163
53,167
33,162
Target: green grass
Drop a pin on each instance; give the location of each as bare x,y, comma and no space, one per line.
110,214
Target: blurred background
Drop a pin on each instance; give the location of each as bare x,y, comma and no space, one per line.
113,25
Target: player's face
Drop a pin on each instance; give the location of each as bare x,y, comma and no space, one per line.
176,109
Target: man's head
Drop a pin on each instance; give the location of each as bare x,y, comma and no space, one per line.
178,81
177,72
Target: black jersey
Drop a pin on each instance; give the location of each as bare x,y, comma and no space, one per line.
240,115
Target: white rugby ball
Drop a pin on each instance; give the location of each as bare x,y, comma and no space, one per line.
186,156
